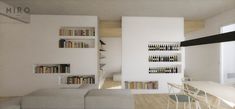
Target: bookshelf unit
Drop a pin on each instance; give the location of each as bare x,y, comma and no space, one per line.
101,54
77,79
76,43
51,68
80,33
141,85
77,31
164,57
77,37
101,62
150,51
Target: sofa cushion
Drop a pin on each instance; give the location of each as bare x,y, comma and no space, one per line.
11,103
109,99
55,99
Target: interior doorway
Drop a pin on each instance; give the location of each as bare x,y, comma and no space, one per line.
227,58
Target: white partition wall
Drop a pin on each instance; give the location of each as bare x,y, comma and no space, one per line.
137,34
25,46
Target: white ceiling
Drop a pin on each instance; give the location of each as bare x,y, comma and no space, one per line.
114,9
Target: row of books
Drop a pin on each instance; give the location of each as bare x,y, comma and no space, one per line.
164,47
141,85
55,68
77,31
72,44
163,70
81,79
156,58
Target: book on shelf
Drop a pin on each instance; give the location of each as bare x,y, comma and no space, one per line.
80,79
63,43
163,47
55,68
157,58
141,85
77,31
163,69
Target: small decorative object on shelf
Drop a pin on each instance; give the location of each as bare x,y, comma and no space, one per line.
84,79
155,70
73,43
77,31
52,68
156,58
102,49
141,85
102,42
163,47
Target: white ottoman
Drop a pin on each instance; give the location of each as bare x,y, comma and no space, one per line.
109,99
55,99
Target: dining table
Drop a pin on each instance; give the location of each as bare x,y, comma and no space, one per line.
222,92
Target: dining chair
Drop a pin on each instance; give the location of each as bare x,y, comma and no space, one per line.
176,94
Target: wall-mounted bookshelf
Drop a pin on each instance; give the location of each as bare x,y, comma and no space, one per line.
169,69
77,37
164,57
76,43
101,55
155,57
163,46
77,31
147,85
51,68
78,79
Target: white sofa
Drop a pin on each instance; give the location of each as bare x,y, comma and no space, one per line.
55,99
78,99
12,103
109,99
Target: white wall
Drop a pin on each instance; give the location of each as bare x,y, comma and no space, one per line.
37,43
137,32
113,55
227,57
203,62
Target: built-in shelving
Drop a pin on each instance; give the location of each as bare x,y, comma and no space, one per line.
141,85
76,43
51,68
77,31
169,69
74,37
78,79
77,37
144,39
164,57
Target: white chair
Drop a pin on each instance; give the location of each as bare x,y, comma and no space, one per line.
177,95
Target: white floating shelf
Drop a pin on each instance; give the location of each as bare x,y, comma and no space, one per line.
78,37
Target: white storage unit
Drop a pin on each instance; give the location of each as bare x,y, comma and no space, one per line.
137,34
37,43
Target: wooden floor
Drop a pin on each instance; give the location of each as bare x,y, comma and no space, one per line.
149,101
